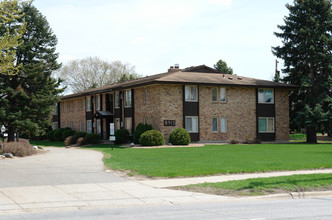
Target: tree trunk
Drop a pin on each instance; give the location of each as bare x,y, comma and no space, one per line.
11,134
311,135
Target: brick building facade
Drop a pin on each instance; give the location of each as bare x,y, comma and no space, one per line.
212,106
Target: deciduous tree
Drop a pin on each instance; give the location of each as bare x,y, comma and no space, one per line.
306,51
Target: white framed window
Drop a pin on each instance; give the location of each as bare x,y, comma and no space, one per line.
128,98
191,124
222,94
88,103
145,94
55,125
128,124
214,92
117,124
56,109
265,96
191,93
214,124
117,99
266,125
98,102
223,125
98,125
89,126
145,121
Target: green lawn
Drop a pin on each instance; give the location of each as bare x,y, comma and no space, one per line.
261,186
46,143
216,159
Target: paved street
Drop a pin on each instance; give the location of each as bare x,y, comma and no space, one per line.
74,179
284,209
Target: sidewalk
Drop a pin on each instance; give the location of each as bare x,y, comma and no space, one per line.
124,194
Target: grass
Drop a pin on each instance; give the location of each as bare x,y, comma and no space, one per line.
217,159
45,143
262,186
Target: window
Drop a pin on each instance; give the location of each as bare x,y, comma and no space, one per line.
145,94
117,99
265,96
223,125
128,124
266,125
98,102
192,124
88,103
89,126
145,121
214,94
56,110
55,126
191,93
214,124
223,94
128,98
98,124
117,124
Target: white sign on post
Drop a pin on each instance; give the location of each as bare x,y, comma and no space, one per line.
111,128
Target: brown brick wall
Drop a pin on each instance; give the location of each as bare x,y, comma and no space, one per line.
72,111
282,114
239,111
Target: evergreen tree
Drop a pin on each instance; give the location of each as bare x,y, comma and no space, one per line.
222,67
306,51
11,31
28,97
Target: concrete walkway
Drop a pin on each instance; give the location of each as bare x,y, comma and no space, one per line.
111,193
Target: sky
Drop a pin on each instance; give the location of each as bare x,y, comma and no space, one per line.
153,35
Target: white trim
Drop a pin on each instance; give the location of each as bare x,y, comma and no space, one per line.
264,89
217,125
192,117
190,86
273,126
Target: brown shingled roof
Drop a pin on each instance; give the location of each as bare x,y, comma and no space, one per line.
201,75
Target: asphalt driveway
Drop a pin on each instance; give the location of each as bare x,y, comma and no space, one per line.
58,166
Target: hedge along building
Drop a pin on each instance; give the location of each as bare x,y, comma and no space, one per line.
212,106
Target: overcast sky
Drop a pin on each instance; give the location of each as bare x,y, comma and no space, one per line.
155,34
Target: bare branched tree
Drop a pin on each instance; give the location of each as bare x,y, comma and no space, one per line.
91,72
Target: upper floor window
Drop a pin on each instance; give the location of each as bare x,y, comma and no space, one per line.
145,94
127,98
265,96
223,94
88,103
98,102
56,109
214,94
191,93
117,99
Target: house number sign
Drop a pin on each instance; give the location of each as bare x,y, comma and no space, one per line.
169,122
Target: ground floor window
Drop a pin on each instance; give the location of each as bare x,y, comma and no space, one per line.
145,121
55,125
98,124
214,124
128,124
192,124
266,125
89,126
223,125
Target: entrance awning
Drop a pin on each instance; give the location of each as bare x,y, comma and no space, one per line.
103,114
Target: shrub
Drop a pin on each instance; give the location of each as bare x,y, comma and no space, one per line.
50,135
77,135
152,138
140,129
179,136
19,149
81,141
121,136
68,140
92,138
66,133
57,134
